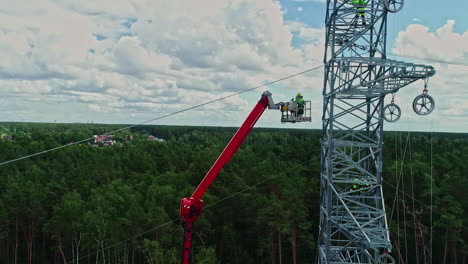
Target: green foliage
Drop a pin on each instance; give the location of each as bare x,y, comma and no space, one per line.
206,256
419,181
119,202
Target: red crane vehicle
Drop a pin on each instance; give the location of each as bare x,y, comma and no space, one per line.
192,207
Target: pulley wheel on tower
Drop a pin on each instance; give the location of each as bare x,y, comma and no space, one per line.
394,6
423,104
392,112
385,259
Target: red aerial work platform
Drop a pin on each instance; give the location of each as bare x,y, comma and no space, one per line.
192,207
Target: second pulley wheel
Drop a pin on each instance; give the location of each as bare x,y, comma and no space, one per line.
423,104
385,259
394,6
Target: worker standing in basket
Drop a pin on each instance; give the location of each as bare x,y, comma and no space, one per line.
300,104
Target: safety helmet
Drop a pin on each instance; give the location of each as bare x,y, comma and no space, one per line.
299,95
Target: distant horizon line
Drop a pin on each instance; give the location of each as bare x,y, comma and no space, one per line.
234,127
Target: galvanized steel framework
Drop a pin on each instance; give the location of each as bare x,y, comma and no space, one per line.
353,224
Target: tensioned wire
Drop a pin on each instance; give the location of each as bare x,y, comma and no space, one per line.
416,200
458,63
414,206
164,116
432,205
234,94
405,229
428,206
248,188
220,99
400,152
226,198
399,176
180,218
398,179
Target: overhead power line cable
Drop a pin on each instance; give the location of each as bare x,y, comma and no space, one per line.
428,206
222,98
226,198
164,116
179,218
125,240
432,193
458,63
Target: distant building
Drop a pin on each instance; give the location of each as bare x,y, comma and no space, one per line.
105,140
129,137
7,137
153,138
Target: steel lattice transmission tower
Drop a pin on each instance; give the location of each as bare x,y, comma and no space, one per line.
358,76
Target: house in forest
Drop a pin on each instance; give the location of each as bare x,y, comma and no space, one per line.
7,137
105,140
153,138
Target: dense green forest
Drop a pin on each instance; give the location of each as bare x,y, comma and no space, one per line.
120,203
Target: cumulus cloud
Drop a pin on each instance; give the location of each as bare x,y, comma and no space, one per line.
146,55
444,43
448,86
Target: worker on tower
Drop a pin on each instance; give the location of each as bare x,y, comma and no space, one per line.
359,185
300,104
360,7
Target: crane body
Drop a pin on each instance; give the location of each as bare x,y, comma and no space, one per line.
192,207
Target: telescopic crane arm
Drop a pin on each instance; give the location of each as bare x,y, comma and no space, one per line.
192,207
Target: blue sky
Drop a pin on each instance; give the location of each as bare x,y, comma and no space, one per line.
431,13
127,61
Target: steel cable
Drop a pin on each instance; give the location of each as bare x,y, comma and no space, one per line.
180,218
164,116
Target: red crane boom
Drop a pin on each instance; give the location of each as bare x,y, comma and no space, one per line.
192,207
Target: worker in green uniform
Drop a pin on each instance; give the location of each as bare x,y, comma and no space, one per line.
360,7
359,185
300,104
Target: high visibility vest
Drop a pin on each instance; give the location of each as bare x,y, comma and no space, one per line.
300,101
358,185
355,185
360,3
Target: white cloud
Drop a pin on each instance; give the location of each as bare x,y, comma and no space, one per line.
448,86
95,108
156,56
141,58
444,43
